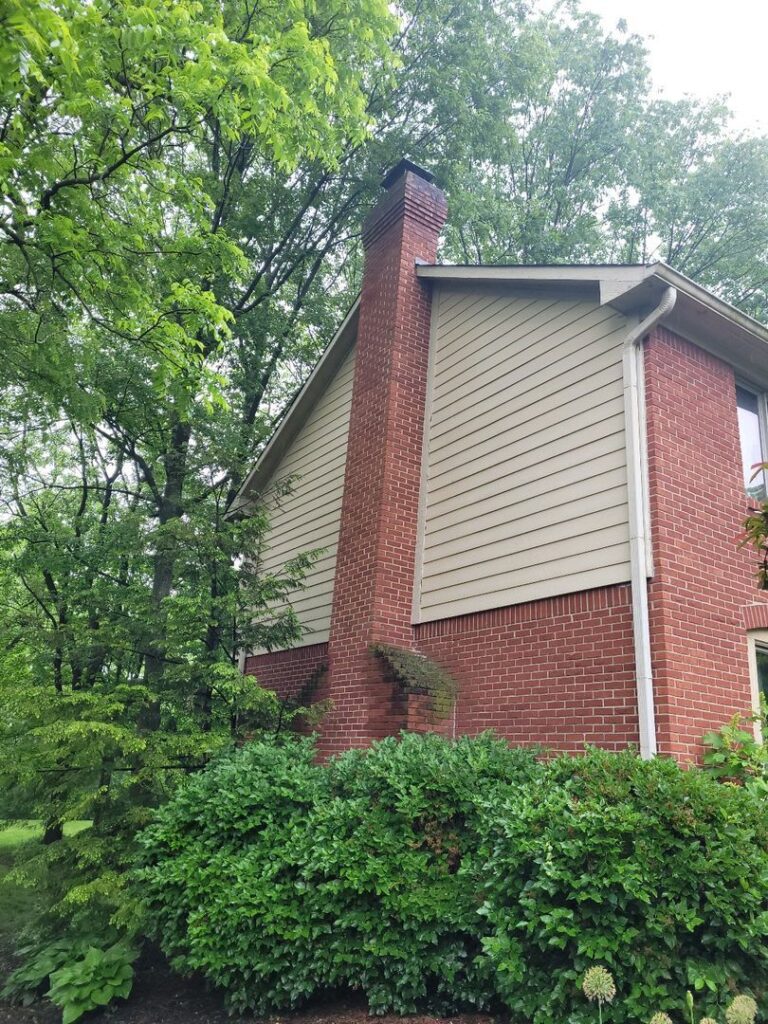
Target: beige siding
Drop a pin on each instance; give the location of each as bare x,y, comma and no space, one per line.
309,516
525,465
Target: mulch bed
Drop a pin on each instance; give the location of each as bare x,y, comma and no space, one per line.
160,997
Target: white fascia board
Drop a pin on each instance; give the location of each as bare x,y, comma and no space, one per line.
613,286
609,276
713,304
603,281
629,288
704,319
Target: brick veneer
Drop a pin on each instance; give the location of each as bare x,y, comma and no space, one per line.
287,672
756,615
558,672
703,595
373,587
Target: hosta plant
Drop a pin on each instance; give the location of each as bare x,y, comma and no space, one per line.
94,980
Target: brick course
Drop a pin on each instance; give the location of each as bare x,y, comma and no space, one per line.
287,672
558,672
373,588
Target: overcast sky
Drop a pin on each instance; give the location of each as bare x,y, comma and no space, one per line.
703,48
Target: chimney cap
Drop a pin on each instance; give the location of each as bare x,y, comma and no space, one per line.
400,168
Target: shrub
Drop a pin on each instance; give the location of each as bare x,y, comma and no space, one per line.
277,878
82,977
658,873
733,754
444,876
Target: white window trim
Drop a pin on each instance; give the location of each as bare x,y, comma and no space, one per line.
762,418
756,638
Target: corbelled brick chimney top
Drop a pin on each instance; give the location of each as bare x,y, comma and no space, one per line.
410,198
399,170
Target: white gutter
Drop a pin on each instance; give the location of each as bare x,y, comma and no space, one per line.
639,541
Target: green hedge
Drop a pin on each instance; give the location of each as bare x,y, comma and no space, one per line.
657,873
445,876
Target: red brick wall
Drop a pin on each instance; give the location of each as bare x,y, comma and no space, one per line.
558,672
702,583
756,614
376,555
287,672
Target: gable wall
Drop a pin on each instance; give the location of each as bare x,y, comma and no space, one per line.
525,465
309,516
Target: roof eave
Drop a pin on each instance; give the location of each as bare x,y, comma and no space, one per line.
716,305
705,320
701,317
618,277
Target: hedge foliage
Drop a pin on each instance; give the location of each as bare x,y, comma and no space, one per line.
658,873
445,876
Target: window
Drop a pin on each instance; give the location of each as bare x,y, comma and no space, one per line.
758,669
752,433
761,660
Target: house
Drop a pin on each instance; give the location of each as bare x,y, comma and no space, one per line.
533,478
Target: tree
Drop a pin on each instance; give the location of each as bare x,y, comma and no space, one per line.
566,150
589,167
129,134
696,198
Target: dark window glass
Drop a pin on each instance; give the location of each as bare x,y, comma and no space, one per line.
761,655
751,442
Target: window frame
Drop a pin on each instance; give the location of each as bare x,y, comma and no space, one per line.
756,638
762,425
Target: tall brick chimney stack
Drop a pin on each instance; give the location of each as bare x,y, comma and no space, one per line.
373,590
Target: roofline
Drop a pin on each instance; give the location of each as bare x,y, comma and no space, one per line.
612,279
290,419
719,306
524,271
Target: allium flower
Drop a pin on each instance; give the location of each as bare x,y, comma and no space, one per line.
660,1018
707,1020
598,985
743,1010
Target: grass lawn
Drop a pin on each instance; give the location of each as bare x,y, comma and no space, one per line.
16,905
16,902
12,835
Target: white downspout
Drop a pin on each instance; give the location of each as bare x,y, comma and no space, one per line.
639,543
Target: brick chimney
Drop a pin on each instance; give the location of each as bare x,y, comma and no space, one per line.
373,590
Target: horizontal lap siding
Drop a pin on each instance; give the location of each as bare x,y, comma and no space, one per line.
309,516
526,484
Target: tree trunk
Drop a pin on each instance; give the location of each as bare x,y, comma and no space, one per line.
53,831
213,637
170,509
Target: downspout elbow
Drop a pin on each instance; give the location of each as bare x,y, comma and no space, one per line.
664,308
